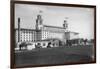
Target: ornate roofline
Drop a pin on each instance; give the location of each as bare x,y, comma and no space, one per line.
53,26
26,29
72,32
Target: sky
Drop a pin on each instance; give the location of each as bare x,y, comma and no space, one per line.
80,20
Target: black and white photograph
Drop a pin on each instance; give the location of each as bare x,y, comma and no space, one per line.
48,34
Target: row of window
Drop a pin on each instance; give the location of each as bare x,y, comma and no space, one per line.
24,37
31,35
28,31
45,34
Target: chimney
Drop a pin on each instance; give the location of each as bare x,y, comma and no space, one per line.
18,29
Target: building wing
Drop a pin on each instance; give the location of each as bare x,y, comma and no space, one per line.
54,29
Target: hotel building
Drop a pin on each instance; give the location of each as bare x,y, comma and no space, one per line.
43,32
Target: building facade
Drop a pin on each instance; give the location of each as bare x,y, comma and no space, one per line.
47,32
43,32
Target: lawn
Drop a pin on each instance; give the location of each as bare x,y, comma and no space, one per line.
56,55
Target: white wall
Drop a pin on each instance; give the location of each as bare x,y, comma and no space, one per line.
74,36
5,35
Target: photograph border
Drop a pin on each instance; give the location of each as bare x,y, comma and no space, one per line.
12,37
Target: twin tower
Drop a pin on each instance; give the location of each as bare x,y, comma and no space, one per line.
39,22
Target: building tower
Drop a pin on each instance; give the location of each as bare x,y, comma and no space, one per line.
39,26
65,24
66,34
39,21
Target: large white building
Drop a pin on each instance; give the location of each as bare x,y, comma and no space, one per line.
43,32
